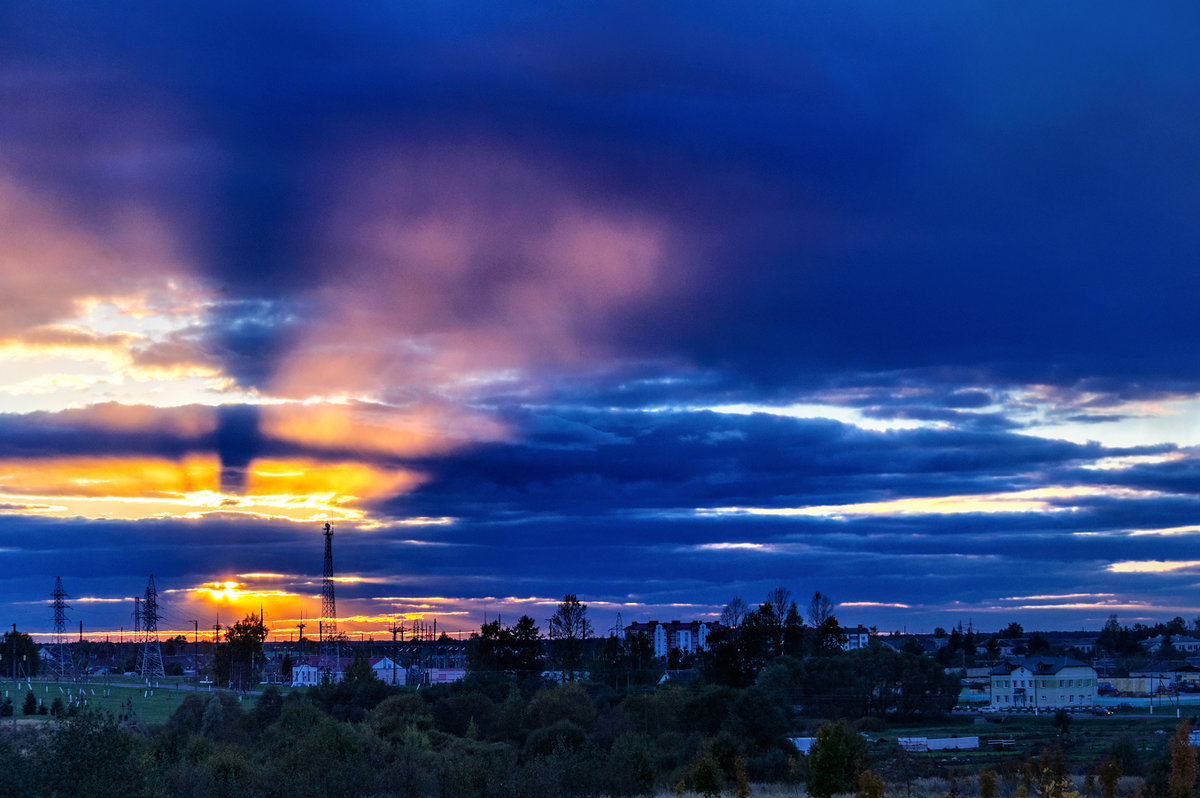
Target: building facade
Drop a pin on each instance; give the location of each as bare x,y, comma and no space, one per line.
1033,683
855,638
686,636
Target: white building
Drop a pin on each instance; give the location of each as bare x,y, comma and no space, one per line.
388,672
445,675
856,638
687,636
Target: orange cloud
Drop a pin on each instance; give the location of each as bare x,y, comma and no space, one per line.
293,490
104,477
231,591
366,427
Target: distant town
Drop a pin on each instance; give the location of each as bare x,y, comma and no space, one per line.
1009,670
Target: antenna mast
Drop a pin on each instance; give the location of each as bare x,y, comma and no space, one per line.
328,604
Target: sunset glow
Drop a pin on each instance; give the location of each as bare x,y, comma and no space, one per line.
522,306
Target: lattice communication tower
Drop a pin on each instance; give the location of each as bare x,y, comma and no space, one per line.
60,657
150,663
328,604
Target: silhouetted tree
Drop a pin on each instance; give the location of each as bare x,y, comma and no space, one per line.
1182,781
18,655
836,758
506,649
569,629
239,662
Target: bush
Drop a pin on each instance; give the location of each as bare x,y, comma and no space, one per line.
837,756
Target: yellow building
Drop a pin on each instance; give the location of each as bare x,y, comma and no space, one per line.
1051,683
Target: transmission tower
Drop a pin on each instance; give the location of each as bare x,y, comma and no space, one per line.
151,659
328,605
60,663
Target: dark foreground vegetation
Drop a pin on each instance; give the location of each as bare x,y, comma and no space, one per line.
502,736
499,737
611,722
617,731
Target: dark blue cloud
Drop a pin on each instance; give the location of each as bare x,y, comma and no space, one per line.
682,461
908,212
981,192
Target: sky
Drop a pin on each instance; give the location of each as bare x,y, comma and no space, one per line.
658,304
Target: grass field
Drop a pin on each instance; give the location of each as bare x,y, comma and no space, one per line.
151,706
1088,740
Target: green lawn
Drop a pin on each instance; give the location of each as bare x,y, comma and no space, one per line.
150,706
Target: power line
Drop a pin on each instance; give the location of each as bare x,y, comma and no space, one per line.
151,659
60,663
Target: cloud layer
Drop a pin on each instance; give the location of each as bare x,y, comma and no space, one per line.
658,306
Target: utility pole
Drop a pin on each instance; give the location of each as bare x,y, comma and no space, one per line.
395,628
196,647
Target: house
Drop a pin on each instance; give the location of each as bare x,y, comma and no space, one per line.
305,675
388,672
314,670
687,636
1188,645
856,638
1036,683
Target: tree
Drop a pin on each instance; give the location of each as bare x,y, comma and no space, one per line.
30,705
1110,775
1051,774
1037,644
359,670
820,609
876,681
212,724
569,629
706,775
18,655
239,662
1012,632
506,649
828,638
1182,781
736,610
836,758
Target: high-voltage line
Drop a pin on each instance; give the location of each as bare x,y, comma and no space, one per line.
150,661
60,656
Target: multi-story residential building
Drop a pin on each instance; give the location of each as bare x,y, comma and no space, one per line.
687,636
855,638
1051,683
